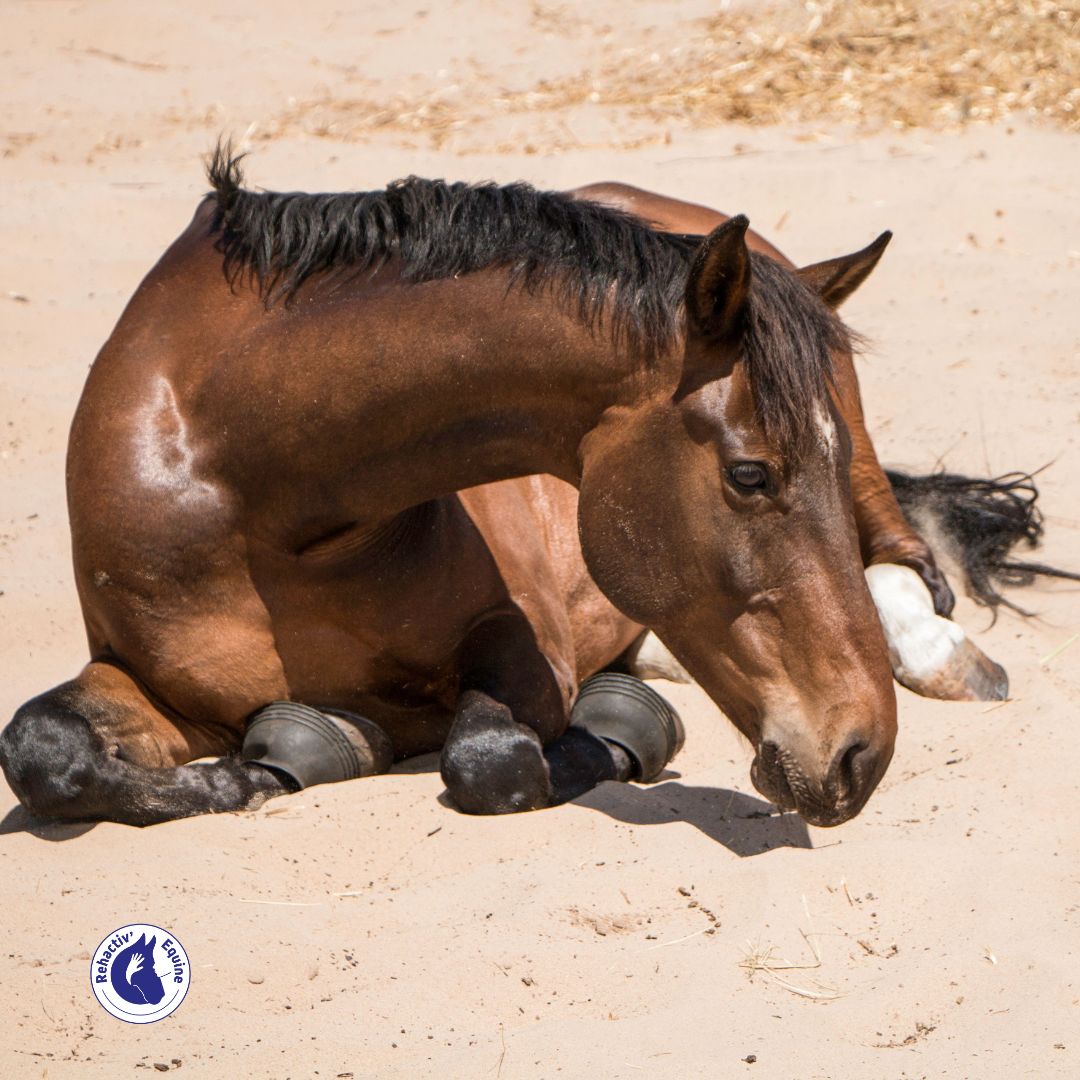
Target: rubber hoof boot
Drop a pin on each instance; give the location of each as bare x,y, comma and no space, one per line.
313,747
625,711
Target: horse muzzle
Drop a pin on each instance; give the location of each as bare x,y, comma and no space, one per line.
824,793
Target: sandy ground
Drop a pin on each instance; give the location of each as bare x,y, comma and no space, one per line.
368,930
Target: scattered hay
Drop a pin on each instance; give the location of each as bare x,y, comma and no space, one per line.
878,63
765,961
1044,660
349,117
874,63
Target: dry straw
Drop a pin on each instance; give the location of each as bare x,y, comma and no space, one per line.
877,63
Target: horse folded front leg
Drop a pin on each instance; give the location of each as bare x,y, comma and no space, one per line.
97,748
930,654
620,729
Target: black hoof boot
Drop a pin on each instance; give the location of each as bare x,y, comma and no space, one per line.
625,711
316,747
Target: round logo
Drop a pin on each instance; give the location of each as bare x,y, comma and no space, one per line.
140,973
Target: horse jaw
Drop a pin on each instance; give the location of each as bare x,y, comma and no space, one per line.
929,654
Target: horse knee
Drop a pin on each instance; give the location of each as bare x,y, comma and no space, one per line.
491,764
51,757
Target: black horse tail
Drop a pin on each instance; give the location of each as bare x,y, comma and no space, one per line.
979,523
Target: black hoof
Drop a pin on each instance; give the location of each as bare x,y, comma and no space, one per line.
627,712
313,747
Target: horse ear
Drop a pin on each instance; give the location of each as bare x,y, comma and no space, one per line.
719,280
836,279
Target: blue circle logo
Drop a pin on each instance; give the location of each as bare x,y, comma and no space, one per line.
140,973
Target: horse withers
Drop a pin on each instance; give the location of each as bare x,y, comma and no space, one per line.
262,476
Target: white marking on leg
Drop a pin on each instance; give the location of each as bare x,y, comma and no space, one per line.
653,660
920,642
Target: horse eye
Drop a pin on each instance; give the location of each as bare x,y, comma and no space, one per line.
749,476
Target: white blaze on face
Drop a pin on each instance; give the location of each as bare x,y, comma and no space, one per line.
826,428
921,643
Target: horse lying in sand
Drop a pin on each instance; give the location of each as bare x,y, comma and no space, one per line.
272,558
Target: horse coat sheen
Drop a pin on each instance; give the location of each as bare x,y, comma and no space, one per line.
262,501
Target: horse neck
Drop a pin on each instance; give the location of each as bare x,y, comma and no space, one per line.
460,383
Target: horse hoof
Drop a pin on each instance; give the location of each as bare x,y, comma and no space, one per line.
929,654
967,675
316,747
630,714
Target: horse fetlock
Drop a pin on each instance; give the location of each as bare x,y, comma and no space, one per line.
262,786
930,655
311,747
490,763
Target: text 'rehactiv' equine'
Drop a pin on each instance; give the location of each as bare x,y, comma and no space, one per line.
279,564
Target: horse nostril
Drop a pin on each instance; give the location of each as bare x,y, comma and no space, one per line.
847,770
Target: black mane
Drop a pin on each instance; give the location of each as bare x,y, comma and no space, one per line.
600,262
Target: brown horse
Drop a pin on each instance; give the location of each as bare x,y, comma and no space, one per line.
263,511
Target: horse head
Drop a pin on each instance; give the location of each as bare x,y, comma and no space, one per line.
716,510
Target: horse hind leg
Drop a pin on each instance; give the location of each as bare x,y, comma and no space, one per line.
97,748
649,658
930,655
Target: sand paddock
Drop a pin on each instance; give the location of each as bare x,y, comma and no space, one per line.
678,930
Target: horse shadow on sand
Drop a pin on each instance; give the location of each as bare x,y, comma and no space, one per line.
20,820
745,825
